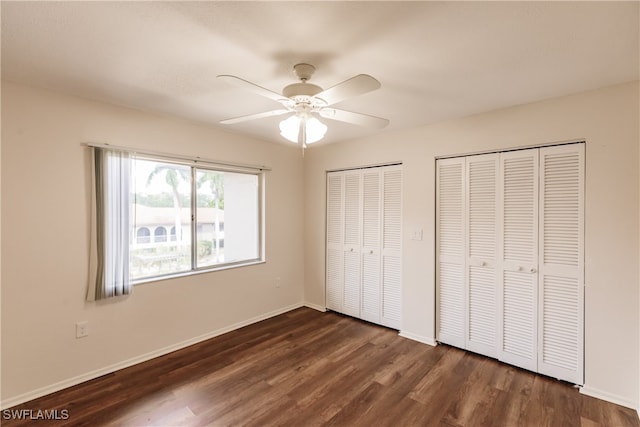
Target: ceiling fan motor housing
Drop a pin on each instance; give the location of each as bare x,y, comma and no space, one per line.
301,89
302,92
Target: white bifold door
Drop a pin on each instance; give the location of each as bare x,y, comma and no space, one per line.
363,277
510,251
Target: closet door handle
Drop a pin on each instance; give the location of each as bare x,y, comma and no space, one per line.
532,270
371,252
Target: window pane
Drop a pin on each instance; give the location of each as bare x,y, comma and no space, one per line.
161,201
227,217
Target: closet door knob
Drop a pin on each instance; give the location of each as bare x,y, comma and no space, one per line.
532,270
371,252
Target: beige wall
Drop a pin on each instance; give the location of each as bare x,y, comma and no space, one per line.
45,222
608,119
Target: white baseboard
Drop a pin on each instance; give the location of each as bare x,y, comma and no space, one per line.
609,397
52,388
315,306
425,340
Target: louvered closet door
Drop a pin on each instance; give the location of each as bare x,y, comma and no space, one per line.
391,246
481,213
352,243
450,251
561,253
371,213
335,247
518,249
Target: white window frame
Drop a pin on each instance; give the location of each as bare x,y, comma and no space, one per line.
197,163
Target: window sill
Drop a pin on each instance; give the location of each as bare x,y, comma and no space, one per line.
195,272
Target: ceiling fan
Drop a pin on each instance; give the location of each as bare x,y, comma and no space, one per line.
306,101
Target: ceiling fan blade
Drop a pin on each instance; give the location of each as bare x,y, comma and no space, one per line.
254,116
237,81
355,118
358,85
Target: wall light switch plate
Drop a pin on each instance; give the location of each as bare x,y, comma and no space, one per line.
416,235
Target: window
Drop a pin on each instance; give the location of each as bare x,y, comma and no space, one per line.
231,198
178,211
160,234
143,235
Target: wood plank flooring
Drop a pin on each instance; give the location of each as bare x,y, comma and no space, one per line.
306,368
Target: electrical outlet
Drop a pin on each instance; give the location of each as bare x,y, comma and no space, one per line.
82,329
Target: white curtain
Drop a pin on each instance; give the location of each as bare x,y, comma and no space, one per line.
110,225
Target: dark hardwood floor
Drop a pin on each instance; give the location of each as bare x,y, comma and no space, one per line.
306,368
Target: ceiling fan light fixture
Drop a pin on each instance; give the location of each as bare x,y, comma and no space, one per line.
289,128
314,129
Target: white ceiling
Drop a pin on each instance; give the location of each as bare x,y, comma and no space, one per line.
435,60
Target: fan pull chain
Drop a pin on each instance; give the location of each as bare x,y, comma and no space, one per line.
302,136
